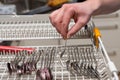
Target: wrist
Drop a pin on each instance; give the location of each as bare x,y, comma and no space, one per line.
95,5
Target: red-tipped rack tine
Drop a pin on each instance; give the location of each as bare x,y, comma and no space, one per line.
15,49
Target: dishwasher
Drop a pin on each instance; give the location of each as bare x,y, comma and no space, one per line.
52,62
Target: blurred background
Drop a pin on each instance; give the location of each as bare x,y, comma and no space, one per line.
108,24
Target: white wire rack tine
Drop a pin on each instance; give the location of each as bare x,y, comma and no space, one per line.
55,71
62,73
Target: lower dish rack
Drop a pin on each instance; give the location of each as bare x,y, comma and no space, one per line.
81,62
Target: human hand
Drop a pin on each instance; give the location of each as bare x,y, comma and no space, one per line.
79,12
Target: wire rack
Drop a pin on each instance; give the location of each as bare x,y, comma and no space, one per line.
79,62
59,70
19,28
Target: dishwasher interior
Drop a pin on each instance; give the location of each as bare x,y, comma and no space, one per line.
68,61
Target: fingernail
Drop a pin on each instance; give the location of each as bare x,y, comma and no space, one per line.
64,37
68,36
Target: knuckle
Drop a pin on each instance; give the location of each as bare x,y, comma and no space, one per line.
65,5
55,22
68,8
71,8
82,22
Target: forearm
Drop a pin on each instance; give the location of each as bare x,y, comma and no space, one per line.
104,6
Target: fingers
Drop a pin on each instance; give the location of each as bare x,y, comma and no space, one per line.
59,16
54,21
65,22
53,16
60,19
75,28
